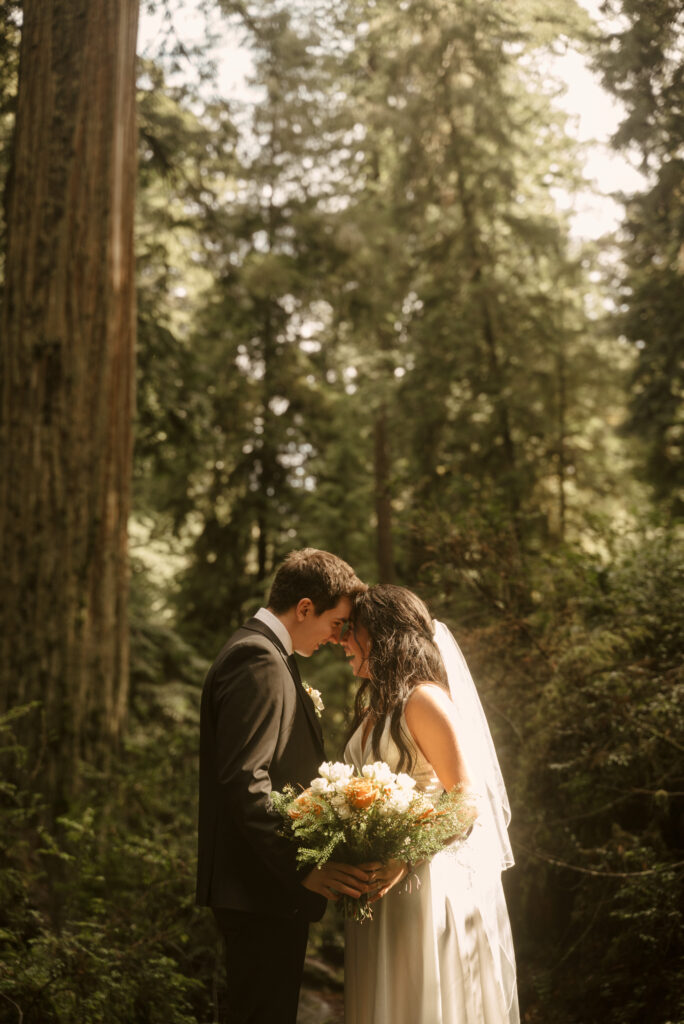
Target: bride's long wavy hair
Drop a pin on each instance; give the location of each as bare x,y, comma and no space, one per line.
402,654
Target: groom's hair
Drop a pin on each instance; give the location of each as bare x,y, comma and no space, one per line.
322,577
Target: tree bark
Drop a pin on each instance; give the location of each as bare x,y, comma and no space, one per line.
561,460
66,364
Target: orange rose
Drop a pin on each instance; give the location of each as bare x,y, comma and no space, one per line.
361,793
304,805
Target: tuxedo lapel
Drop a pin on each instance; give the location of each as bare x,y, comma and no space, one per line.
305,700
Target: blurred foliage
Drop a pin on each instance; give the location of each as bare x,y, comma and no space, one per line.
97,920
587,701
642,62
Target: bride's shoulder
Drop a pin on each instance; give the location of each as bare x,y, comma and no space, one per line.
430,720
426,700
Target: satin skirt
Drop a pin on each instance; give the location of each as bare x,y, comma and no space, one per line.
439,954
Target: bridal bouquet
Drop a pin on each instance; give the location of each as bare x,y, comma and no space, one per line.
378,815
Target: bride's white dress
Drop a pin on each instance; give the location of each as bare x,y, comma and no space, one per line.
441,953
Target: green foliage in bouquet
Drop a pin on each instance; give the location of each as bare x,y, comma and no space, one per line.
378,815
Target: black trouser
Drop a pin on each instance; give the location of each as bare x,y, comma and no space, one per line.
264,962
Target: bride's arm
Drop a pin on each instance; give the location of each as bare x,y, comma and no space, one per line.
429,715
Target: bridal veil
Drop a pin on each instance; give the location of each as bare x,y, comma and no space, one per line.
489,844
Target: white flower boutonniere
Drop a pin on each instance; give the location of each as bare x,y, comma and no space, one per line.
315,695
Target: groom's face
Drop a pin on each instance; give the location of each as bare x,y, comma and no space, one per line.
315,630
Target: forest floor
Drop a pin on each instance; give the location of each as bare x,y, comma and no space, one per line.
322,995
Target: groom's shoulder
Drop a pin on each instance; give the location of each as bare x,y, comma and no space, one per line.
245,643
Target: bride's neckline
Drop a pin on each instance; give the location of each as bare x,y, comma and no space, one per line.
366,730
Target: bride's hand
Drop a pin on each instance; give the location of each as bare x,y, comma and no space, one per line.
382,877
333,880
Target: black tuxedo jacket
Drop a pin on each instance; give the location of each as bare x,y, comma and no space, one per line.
258,731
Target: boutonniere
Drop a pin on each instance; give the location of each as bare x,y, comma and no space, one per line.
316,698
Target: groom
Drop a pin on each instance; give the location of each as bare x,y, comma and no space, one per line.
259,731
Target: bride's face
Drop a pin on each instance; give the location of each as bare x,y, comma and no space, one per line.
356,643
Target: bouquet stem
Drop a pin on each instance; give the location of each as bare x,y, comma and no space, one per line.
352,909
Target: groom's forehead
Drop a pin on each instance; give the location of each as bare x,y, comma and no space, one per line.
342,609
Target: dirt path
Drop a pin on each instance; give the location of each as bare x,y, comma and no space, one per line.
322,997
317,1007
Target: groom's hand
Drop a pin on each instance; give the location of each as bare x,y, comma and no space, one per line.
333,880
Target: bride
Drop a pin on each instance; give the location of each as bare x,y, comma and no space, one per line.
438,949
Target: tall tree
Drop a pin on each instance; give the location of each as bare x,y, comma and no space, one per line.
66,363
642,61
258,234
458,276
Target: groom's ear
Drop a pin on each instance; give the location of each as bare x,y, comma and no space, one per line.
304,608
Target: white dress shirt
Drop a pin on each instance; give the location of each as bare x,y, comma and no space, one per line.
277,627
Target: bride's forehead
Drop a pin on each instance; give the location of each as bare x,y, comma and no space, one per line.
356,629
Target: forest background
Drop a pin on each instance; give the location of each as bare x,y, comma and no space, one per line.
363,324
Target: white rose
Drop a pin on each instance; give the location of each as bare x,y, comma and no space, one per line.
341,806
380,772
334,771
340,774
399,800
320,787
405,781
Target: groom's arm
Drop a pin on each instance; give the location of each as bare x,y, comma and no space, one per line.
249,705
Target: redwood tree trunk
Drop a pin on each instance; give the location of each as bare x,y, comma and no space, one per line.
66,364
